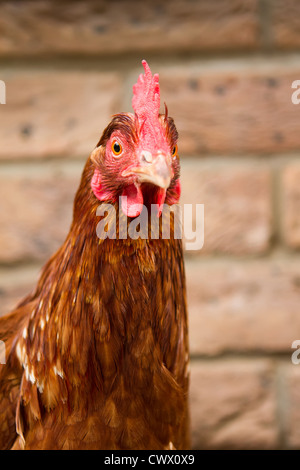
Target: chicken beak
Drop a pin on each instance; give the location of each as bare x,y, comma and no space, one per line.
156,170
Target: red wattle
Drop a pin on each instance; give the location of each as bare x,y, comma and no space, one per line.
132,200
160,200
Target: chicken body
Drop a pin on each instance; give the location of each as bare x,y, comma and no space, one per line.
97,355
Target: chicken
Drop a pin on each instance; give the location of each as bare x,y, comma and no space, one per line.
97,354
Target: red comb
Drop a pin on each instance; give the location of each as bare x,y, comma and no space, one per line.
146,102
146,95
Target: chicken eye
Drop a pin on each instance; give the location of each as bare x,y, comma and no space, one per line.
116,148
174,151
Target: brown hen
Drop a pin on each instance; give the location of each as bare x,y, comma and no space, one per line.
97,355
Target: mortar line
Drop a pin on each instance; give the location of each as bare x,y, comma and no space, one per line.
127,62
210,160
240,354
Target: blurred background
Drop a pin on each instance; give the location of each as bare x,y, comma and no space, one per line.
226,69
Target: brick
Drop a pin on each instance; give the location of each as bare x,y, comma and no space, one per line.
237,205
233,405
15,284
55,113
97,27
243,306
233,107
290,396
285,23
35,212
290,216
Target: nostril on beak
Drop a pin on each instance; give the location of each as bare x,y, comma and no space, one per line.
146,156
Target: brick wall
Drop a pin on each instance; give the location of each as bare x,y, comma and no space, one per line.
226,69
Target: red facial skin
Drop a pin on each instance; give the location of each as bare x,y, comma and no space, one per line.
113,178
